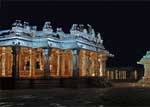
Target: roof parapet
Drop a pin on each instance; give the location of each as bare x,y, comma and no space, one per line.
18,28
79,30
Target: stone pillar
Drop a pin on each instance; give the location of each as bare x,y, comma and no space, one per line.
101,68
46,53
32,63
125,74
62,64
58,63
40,61
112,75
98,67
116,74
107,75
135,74
3,61
104,67
30,70
75,54
88,64
15,67
69,65
95,65
83,63
119,75
91,64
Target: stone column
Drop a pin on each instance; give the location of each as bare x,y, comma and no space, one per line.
112,75
107,75
15,67
91,65
135,74
104,67
83,63
116,74
125,75
32,63
62,65
30,70
46,53
119,76
69,65
58,63
75,54
101,67
88,64
96,66
3,61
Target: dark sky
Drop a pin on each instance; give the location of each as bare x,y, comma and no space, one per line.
124,26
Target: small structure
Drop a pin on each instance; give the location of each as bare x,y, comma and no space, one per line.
146,62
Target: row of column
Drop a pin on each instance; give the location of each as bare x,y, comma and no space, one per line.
121,75
116,75
79,62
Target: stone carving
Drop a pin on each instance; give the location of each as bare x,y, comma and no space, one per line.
89,28
17,27
91,33
99,39
59,30
81,27
47,27
33,31
85,31
26,27
74,29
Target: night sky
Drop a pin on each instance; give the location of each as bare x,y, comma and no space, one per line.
124,26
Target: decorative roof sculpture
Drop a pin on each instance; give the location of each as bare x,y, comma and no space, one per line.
28,36
47,28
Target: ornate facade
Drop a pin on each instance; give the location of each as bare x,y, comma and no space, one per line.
28,53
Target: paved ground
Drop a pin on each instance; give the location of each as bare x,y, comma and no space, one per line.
119,95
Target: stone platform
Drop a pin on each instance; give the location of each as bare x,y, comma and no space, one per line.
10,83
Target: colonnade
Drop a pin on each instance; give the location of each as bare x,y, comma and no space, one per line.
39,62
116,75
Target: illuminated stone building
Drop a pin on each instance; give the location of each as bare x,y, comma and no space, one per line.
28,53
146,62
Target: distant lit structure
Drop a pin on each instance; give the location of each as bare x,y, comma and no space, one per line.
146,62
28,53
